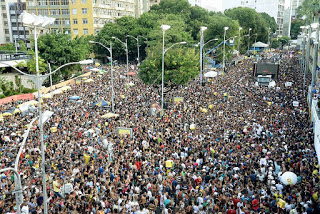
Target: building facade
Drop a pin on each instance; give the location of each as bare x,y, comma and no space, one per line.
81,17
274,8
5,26
18,31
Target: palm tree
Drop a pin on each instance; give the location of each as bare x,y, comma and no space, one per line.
310,10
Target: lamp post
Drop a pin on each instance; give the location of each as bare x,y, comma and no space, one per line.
137,39
315,26
249,39
303,28
240,28
126,49
255,41
164,28
202,29
307,58
39,23
224,46
111,69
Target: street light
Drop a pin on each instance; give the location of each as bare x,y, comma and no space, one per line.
137,39
126,49
224,46
164,28
249,39
202,29
255,41
240,28
315,26
111,69
39,23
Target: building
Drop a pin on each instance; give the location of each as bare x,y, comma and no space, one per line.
18,31
195,2
294,6
274,8
5,26
81,17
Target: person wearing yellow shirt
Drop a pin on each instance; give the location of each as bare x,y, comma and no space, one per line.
56,187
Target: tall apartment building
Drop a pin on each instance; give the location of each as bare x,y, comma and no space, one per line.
294,7
81,17
5,27
274,8
18,31
143,6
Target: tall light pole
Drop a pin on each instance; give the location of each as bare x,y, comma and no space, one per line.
126,49
255,41
303,28
202,29
315,26
224,46
240,28
269,38
249,39
307,58
111,69
137,39
39,23
164,28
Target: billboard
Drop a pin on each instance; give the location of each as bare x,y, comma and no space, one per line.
124,131
266,69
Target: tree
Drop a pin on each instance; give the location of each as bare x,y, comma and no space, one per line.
295,28
59,49
181,65
284,40
308,11
7,47
270,21
249,18
216,30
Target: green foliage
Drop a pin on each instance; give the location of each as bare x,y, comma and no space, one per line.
295,28
309,9
270,21
181,65
284,40
59,49
22,46
7,88
7,47
249,18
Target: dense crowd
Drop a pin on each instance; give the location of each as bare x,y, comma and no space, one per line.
222,150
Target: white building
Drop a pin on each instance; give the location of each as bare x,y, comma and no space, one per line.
274,8
195,2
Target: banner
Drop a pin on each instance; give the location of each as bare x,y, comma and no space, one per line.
177,100
295,103
288,84
124,131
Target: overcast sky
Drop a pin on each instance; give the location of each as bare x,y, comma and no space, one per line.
216,5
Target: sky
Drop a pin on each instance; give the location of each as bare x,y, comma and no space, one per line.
216,5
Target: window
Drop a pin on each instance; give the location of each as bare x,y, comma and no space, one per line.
84,21
85,31
65,11
54,12
84,10
4,15
74,11
3,7
75,21
7,39
74,1
6,31
84,1
75,31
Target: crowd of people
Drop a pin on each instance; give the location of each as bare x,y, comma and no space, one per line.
222,149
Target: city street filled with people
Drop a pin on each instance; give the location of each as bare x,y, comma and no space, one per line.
222,149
